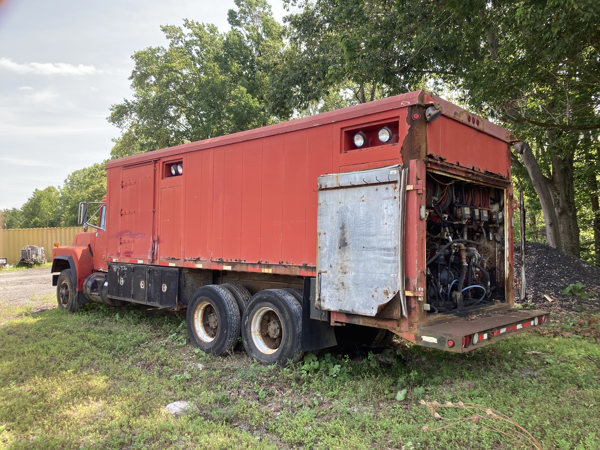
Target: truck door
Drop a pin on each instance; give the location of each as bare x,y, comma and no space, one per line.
360,224
170,217
136,213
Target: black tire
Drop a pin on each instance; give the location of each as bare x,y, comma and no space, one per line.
241,295
353,337
272,327
213,320
66,294
297,293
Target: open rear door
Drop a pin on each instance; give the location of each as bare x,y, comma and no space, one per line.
360,240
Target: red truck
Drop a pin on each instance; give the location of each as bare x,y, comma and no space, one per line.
390,217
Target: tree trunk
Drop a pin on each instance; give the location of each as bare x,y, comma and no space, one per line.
541,184
596,212
562,187
592,182
557,199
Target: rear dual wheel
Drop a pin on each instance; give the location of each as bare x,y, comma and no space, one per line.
241,295
213,319
272,327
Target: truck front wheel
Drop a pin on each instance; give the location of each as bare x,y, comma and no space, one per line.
272,327
66,293
213,320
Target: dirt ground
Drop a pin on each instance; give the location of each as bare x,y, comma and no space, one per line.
27,287
548,272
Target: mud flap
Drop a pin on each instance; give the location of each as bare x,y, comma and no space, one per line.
316,334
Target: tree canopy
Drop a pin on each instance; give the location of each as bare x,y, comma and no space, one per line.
42,209
206,83
88,184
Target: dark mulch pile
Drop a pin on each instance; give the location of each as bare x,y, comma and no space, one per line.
548,272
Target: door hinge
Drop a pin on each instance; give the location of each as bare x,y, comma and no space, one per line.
414,187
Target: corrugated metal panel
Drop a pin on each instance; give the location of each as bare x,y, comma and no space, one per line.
360,240
13,240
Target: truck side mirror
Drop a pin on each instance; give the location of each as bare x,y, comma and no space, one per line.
82,214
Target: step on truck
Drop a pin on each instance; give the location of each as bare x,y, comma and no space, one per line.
393,217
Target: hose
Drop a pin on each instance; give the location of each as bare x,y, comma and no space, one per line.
456,241
477,286
486,278
450,289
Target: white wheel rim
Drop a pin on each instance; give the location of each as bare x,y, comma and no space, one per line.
266,330
206,321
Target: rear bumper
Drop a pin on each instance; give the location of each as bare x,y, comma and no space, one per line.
463,334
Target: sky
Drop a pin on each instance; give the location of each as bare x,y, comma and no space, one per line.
63,63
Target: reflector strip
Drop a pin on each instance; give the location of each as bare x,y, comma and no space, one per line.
476,337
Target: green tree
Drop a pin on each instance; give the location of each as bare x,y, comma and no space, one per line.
534,67
41,209
11,218
88,184
204,84
371,49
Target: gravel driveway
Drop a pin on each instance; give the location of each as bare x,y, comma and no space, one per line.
27,287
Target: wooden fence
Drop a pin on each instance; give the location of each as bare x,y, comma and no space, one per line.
13,240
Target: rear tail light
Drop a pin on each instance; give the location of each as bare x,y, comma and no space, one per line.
384,135
359,139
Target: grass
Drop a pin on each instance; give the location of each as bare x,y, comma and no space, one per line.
15,268
102,378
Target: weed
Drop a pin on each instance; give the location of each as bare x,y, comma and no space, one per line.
20,267
577,290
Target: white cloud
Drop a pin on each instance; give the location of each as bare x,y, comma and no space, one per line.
23,162
26,88
47,68
52,130
43,96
